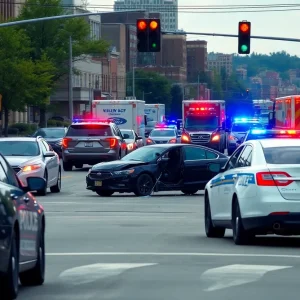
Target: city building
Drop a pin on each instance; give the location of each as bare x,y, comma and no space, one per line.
167,8
196,59
10,9
219,61
241,73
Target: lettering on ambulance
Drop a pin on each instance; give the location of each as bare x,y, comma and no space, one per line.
28,220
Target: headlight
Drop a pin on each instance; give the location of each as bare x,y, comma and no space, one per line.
125,172
90,170
31,168
130,146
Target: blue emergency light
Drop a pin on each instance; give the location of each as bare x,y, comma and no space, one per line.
258,131
245,120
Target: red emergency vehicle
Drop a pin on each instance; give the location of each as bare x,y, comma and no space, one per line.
204,123
287,112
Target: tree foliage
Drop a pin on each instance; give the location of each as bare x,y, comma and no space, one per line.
23,81
155,87
51,38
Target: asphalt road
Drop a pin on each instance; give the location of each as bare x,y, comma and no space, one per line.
153,248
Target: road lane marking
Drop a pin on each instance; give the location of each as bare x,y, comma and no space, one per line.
170,254
91,273
234,275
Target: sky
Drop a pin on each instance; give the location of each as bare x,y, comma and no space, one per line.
270,23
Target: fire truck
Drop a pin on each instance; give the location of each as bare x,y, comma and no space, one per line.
286,112
204,123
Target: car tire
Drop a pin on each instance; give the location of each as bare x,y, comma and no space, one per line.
43,192
189,192
78,166
144,185
104,193
210,230
36,276
240,235
9,283
67,166
57,188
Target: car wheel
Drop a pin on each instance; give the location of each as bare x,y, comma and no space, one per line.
78,166
189,192
9,284
240,235
104,193
144,185
210,230
43,192
67,166
36,276
57,188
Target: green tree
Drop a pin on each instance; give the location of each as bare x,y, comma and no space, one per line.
23,81
176,101
155,87
52,38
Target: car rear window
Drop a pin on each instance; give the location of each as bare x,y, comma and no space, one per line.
89,130
282,155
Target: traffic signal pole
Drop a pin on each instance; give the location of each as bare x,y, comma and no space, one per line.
260,37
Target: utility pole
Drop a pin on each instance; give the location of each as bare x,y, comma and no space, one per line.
70,80
133,81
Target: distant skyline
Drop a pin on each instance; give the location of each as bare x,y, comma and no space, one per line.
192,19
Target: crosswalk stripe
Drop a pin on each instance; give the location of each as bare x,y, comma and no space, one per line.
234,275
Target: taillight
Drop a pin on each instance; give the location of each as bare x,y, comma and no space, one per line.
65,142
185,138
173,141
216,138
113,142
273,179
149,142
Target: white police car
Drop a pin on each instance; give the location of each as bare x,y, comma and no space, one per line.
257,192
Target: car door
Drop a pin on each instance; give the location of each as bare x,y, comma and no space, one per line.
122,141
226,183
26,214
196,161
52,163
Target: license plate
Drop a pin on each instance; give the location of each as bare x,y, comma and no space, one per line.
98,183
88,144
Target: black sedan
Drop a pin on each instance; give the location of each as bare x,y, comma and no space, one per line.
22,229
164,167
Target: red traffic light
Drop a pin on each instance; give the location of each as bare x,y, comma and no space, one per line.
153,25
142,25
244,27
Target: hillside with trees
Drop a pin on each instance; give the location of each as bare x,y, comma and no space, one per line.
277,61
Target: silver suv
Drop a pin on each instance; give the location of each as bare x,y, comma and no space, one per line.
90,143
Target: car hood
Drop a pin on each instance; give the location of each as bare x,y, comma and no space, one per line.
21,160
117,165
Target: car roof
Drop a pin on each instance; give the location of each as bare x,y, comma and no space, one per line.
277,142
21,139
92,123
42,128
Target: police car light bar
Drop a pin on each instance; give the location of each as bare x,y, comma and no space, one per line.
201,108
276,131
245,120
92,121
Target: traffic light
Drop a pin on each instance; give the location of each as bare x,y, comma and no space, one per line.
142,35
154,35
244,38
148,35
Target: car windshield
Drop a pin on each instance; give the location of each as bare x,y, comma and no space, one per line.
162,133
19,148
128,134
237,127
89,130
50,132
201,122
145,154
282,155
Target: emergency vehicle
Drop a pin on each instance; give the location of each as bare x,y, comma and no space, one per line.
287,112
262,108
204,123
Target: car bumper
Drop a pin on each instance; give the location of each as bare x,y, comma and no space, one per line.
87,158
24,175
5,241
118,184
289,224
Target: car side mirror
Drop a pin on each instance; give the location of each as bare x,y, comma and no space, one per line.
49,154
35,184
215,168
